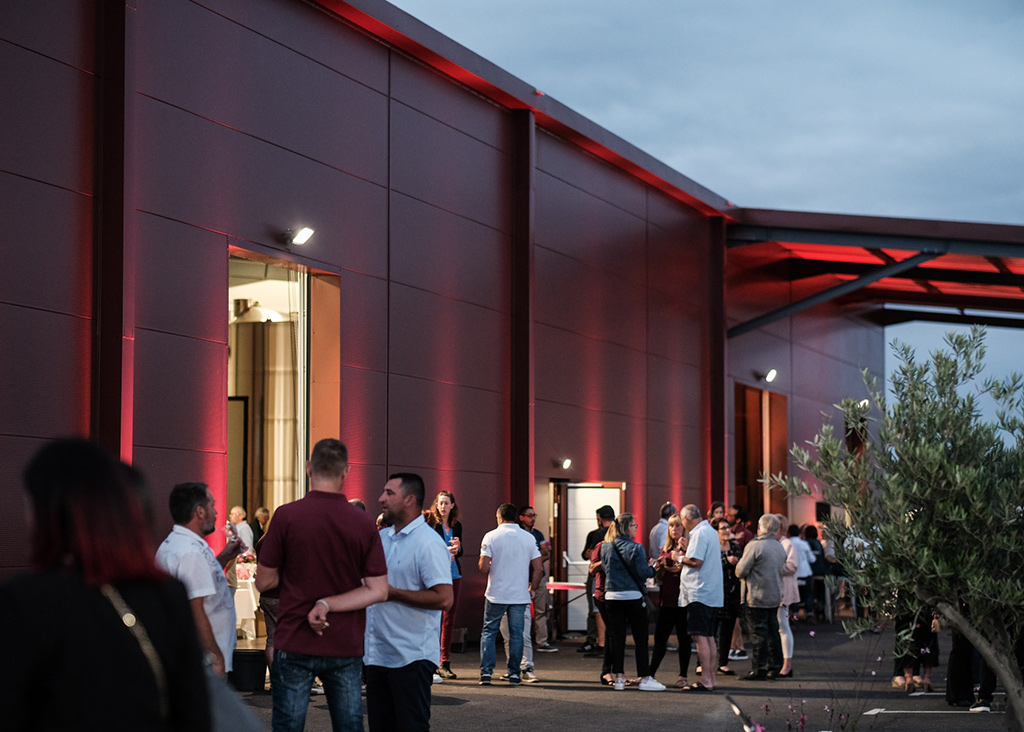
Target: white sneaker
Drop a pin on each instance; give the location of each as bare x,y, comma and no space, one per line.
438,679
651,684
529,677
619,684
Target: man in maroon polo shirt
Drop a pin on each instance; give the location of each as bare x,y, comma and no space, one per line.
323,552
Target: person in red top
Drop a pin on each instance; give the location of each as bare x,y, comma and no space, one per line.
737,518
327,558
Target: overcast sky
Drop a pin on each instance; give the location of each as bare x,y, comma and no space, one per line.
911,108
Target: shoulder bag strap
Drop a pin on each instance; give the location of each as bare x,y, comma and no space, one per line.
138,631
629,568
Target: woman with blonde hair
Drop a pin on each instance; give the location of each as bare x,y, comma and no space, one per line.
670,615
444,517
626,567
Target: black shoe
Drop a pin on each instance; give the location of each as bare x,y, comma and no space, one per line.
515,679
596,652
445,672
485,679
586,648
981,706
755,676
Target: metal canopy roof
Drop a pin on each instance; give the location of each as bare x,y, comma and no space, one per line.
885,261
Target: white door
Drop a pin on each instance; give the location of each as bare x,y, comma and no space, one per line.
581,508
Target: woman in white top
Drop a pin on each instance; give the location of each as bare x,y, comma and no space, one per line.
790,596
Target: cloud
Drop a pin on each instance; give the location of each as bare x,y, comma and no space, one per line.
909,108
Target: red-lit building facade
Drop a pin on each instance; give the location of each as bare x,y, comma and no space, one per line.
494,284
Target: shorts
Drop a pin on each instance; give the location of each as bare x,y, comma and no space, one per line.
700,619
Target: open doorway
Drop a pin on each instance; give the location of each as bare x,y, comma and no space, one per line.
268,358
762,440
573,516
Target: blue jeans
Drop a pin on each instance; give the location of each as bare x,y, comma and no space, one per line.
493,612
291,678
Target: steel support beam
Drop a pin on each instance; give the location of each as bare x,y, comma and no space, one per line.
741,236
886,316
524,155
803,268
831,293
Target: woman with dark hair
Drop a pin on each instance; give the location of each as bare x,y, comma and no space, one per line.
96,618
731,604
625,568
444,516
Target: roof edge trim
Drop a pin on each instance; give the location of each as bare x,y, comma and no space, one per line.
398,28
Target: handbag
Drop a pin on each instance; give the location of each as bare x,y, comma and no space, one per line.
640,585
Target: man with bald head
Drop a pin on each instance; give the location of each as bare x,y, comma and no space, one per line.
760,568
702,591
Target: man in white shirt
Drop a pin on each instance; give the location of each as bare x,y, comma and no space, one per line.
702,590
186,556
244,531
659,532
401,634
511,559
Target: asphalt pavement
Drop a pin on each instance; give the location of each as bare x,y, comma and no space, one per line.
839,683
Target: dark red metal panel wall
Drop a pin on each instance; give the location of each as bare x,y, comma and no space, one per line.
46,222
819,353
620,334
250,118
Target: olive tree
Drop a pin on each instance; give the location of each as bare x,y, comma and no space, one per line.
933,499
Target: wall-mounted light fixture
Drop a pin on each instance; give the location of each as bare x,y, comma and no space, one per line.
769,376
564,463
300,237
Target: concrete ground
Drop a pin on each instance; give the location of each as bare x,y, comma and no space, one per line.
838,684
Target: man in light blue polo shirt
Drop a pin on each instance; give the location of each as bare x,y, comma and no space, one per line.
701,591
401,634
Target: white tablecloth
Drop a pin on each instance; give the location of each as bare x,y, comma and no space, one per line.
246,602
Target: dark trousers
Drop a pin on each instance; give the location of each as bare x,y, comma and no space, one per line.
620,613
591,618
727,615
399,698
671,618
766,645
606,663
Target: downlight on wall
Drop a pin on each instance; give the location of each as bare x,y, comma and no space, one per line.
563,463
770,375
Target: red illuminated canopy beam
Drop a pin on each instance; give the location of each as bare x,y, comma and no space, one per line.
831,293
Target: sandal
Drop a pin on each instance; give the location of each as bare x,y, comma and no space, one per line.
697,686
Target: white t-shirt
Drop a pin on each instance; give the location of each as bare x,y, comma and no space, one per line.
704,584
188,558
511,549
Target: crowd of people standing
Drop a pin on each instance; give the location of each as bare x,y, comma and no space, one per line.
363,604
